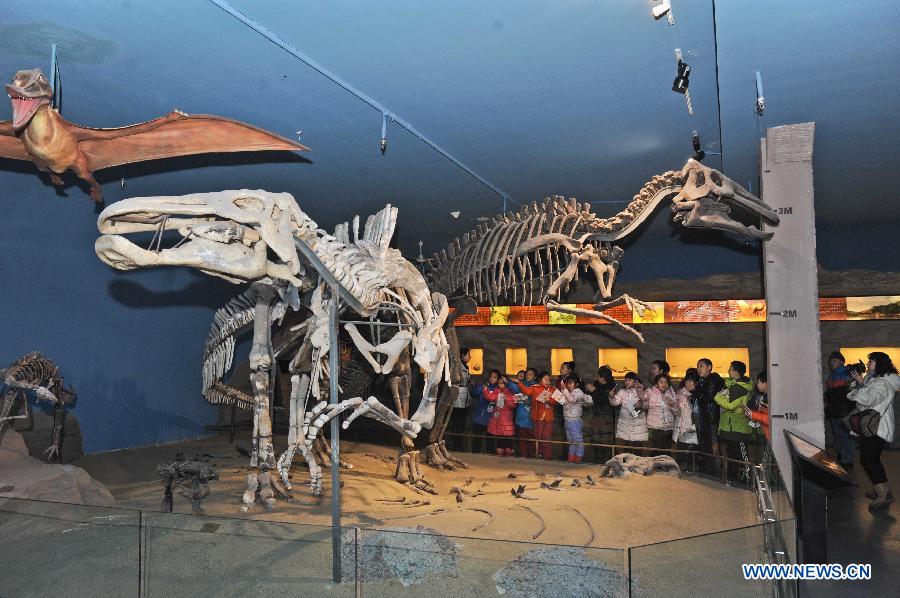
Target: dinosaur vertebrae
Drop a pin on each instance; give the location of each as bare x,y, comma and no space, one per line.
354,262
497,260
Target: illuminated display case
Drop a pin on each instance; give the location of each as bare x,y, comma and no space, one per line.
476,361
680,359
621,361
558,357
854,354
516,359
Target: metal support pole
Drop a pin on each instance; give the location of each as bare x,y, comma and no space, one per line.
333,365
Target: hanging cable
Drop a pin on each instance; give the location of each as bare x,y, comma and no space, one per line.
278,41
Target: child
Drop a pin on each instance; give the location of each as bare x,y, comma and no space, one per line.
757,411
735,433
484,407
501,423
573,399
566,369
631,427
524,425
542,403
684,433
660,419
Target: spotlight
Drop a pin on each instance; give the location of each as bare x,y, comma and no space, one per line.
455,215
383,145
681,82
699,154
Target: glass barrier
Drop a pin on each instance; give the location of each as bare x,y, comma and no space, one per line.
211,556
57,549
707,565
434,564
75,550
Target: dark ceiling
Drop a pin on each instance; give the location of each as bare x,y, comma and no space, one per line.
540,97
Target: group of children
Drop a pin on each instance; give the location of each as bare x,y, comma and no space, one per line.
658,416
524,406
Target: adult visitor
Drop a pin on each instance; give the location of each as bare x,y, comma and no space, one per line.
875,392
602,426
706,413
837,407
460,413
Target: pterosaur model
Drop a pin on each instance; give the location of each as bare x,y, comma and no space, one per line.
39,134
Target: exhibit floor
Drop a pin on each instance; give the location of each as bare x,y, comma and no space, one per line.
615,513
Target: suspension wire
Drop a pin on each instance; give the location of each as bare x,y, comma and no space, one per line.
385,112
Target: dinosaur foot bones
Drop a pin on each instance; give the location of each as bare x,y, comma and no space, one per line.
437,455
408,473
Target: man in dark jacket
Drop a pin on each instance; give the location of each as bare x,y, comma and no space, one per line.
706,412
837,405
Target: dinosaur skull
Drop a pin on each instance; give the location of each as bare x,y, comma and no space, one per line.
228,234
28,91
704,202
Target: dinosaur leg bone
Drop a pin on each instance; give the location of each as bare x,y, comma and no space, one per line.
262,456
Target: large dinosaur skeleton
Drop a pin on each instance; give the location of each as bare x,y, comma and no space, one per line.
264,238
37,374
533,255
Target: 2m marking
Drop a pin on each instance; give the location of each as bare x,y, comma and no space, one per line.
787,210
784,313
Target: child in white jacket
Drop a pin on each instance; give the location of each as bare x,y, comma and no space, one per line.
631,427
572,400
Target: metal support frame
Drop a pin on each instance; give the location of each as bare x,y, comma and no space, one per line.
333,365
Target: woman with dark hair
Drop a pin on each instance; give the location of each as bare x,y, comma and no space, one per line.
876,392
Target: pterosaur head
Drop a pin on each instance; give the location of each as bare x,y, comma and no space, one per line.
706,199
28,91
236,235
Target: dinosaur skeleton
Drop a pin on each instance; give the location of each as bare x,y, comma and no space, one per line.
533,255
34,372
264,238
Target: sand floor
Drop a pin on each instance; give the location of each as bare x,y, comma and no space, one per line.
631,511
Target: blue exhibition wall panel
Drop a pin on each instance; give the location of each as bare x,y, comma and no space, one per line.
130,343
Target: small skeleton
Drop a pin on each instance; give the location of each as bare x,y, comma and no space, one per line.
37,374
190,476
618,465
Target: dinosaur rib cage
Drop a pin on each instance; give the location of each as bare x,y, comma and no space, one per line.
218,353
488,265
32,368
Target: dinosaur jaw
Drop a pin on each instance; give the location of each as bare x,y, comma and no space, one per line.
706,198
24,108
708,212
28,91
234,262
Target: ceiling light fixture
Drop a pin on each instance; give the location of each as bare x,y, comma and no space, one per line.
455,214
